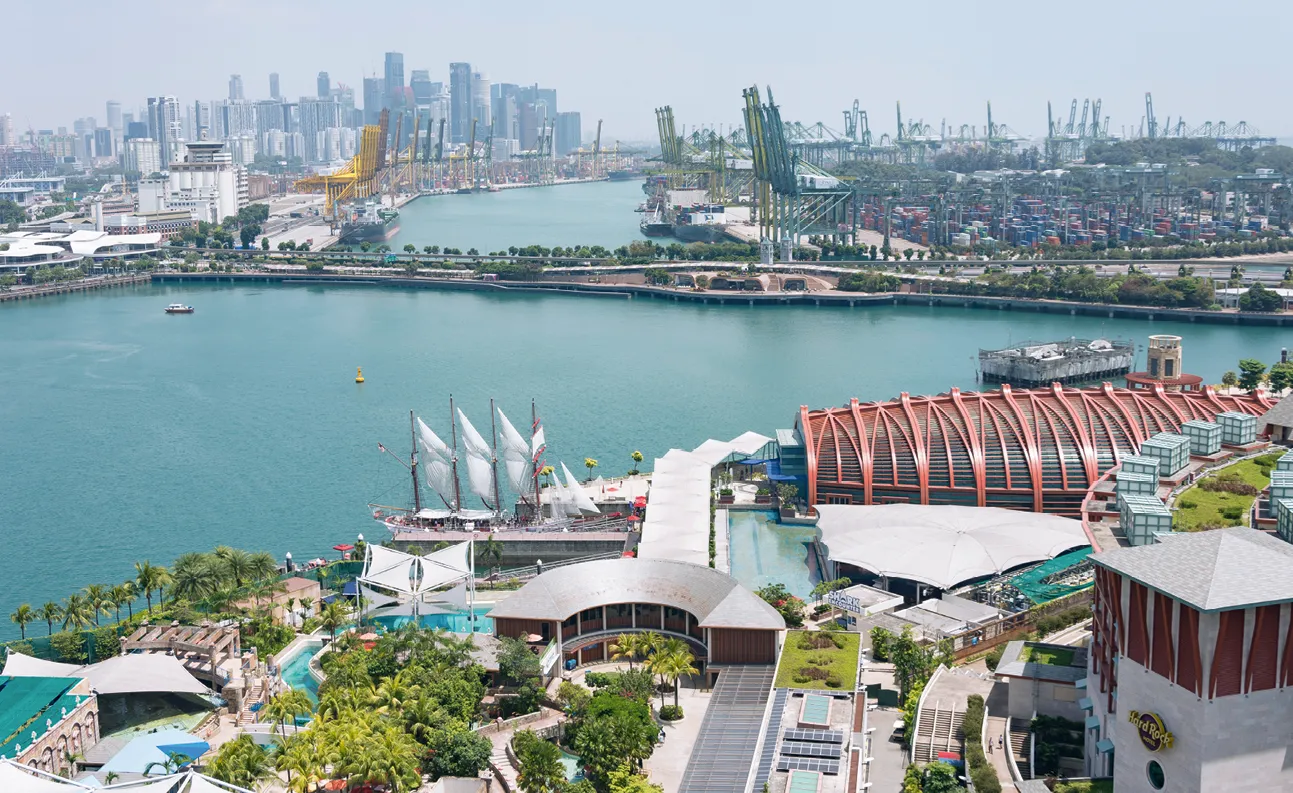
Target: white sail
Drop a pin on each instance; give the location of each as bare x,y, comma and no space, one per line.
516,457
536,444
578,498
433,442
480,475
439,474
558,500
472,439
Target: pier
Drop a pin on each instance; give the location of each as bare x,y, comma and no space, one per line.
68,287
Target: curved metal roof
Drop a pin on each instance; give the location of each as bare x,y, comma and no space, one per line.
714,598
1038,449
942,546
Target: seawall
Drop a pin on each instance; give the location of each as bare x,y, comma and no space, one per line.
838,299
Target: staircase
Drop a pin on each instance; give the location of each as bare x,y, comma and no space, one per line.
503,766
254,694
1019,746
939,730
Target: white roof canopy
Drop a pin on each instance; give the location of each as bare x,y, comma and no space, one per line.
135,673
404,574
942,546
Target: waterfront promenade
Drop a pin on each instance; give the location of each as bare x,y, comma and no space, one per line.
68,287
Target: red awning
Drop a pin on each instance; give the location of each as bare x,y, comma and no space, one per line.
633,518
640,501
343,547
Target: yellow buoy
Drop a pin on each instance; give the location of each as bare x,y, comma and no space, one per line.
359,374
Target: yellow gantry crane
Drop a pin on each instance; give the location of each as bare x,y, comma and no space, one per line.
356,179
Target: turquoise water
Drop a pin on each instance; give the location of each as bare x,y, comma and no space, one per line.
296,672
600,213
129,434
763,552
454,622
574,770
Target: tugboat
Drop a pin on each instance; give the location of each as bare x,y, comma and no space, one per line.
179,308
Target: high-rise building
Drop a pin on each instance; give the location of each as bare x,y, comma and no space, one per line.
460,100
324,85
141,155
374,91
271,114
503,110
114,117
235,88
480,110
420,82
201,120
317,116
136,129
569,133
230,119
6,131
394,80
273,86
103,142
165,126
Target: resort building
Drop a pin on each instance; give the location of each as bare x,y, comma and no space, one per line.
46,720
587,606
1027,449
1191,664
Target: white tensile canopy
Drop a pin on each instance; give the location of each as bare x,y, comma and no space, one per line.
394,577
18,778
136,673
942,546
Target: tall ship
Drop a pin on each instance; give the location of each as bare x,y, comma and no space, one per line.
450,508
701,223
368,221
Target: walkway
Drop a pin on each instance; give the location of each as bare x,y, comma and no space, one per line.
724,751
500,739
668,763
997,729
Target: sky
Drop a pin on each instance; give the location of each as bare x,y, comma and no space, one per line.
617,60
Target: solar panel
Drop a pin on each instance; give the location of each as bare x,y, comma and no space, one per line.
800,749
813,736
829,767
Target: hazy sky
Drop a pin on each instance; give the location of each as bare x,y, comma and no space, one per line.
618,60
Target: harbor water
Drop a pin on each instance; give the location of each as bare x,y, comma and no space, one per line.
130,434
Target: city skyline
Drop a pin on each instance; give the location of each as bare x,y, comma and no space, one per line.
944,71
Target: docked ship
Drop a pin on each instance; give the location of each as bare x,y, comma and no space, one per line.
623,174
368,222
654,224
567,504
701,223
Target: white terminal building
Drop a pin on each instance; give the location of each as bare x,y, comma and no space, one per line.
207,183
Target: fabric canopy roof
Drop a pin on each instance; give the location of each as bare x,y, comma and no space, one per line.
135,673
18,778
942,546
136,756
402,573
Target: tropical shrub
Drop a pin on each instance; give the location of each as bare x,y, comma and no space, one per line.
69,646
671,713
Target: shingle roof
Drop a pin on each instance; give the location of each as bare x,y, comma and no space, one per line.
716,599
1281,415
1211,570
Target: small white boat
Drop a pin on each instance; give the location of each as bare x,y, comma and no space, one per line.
179,308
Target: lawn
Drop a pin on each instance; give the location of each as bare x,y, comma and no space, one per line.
1085,786
802,666
1198,509
1051,656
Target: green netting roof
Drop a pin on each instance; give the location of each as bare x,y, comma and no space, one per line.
23,699
1030,583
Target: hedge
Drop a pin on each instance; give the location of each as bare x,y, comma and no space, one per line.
982,774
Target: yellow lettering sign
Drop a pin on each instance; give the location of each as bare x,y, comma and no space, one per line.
1153,733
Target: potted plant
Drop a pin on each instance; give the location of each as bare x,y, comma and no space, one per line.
787,494
726,496
762,496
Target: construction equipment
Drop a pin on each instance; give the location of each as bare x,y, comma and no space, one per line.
358,178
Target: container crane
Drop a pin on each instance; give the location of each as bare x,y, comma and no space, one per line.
1149,116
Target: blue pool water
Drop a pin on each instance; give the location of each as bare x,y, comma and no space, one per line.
455,622
764,552
574,769
296,670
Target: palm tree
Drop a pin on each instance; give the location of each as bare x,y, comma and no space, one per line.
626,646
77,612
146,577
546,471
539,764
118,596
590,464
637,460
97,596
196,575
261,565
286,707
299,756
394,693
492,552
332,617
236,563
21,616
678,661
51,613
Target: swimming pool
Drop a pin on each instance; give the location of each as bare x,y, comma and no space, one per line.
296,669
454,621
574,768
764,552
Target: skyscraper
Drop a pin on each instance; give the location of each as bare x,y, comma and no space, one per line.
235,87
273,86
317,117
420,82
201,120
114,117
164,126
374,91
569,133
503,110
325,85
480,110
460,100
6,131
394,80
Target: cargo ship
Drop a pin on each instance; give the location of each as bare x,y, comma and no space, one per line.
623,174
654,224
701,223
369,222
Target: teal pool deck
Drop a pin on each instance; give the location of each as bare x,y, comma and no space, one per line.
296,669
764,552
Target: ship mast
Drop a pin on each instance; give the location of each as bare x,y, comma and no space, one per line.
453,429
493,459
413,466
534,463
